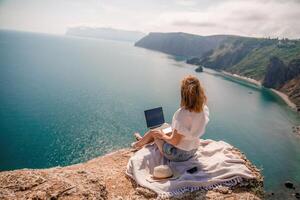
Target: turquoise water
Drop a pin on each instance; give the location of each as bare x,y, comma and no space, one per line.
66,100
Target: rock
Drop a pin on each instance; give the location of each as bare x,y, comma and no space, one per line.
297,195
195,61
41,195
199,69
53,197
118,198
229,198
223,190
145,192
289,184
81,172
93,180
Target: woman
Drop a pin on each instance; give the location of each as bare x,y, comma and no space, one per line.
188,124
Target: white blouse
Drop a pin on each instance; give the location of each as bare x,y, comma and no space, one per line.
191,125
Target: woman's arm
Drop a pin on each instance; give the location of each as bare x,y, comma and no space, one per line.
171,138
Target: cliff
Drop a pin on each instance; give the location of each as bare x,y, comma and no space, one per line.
104,178
181,44
285,78
276,74
292,89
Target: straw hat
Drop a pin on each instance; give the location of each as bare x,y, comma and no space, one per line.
162,171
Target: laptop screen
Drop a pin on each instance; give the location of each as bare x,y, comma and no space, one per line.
154,117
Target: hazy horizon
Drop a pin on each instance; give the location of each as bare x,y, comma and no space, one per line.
257,18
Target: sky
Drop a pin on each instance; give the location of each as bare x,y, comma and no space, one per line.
256,18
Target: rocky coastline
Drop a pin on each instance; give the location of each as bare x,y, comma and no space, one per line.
280,94
104,178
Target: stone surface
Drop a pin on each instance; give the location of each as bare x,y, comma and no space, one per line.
104,178
289,185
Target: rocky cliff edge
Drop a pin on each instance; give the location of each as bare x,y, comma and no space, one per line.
104,178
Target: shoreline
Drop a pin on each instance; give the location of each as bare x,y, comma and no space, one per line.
280,94
244,78
285,98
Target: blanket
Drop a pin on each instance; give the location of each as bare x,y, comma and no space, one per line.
216,164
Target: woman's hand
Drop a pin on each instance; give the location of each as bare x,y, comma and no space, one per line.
174,138
157,134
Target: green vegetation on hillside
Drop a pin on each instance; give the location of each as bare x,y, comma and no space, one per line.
250,56
181,44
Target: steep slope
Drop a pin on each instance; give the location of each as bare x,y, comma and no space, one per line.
279,73
250,56
292,89
285,78
276,74
181,44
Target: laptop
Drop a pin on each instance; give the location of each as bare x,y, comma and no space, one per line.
155,120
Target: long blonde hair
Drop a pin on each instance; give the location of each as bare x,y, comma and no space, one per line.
193,97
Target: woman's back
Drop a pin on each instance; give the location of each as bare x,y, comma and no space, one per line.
191,125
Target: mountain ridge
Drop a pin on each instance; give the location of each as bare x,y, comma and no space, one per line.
180,44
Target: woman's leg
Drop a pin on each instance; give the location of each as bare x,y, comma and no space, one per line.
146,139
159,144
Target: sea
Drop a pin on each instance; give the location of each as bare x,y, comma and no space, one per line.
65,100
